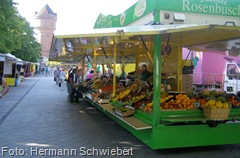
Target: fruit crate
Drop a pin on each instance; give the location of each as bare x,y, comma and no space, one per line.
216,113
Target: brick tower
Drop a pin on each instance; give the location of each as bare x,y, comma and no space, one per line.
45,24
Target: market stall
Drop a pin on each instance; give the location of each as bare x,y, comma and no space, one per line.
9,68
19,67
154,12
35,68
164,119
26,69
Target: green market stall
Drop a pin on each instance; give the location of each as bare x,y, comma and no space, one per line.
158,129
171,12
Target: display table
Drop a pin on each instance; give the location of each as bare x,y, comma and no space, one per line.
132,121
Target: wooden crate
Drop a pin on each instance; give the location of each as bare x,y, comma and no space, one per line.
187,81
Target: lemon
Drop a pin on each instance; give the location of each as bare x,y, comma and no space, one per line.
213,106
225,105
219,104
211,102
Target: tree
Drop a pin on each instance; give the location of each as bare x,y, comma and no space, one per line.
30,49
10,29
17,36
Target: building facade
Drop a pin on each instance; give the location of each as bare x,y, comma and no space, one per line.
45,25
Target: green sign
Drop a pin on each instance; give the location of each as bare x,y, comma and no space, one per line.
133,13
215,7
144,7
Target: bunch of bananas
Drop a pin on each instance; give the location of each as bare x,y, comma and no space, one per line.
137,98
163,100
122,94
150,104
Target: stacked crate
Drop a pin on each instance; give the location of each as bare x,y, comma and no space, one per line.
187,82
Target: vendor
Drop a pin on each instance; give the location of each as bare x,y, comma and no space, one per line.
145,73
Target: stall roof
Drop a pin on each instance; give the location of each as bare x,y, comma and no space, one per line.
9,57
70,47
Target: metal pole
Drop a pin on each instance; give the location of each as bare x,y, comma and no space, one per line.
157,66
83,67
145,46
95,64
114,68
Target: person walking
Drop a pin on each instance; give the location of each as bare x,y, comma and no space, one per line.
46,71
42,70
4,86
56,75
62,76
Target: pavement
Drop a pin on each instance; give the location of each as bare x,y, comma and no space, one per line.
36,120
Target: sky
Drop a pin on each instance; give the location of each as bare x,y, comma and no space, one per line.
74,15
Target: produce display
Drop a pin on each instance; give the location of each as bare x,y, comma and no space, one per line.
139,95
99,83
181,101
218,104
234,100
190,100
122,94
105,95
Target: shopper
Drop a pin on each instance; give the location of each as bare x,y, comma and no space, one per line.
71,85
46,71
5,89
56,75
145,73
62,76
90,76
86,74
32,71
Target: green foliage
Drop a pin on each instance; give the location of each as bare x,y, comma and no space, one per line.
10,28
30,49
17,36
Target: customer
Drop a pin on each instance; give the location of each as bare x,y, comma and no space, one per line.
62,76
4,84
90,76
56,75
71,85
145,73
46,71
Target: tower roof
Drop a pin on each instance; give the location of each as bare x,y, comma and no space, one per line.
46,10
